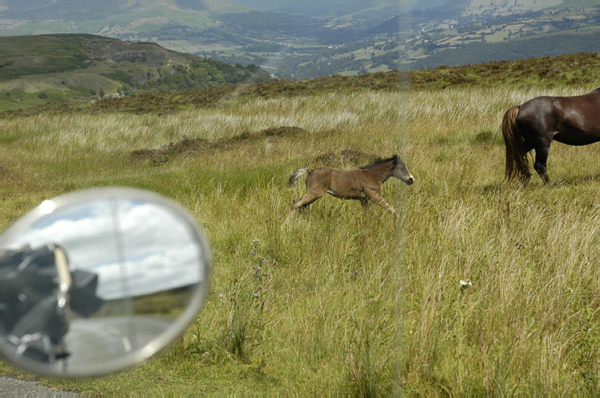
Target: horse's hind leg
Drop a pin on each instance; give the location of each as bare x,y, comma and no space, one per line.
541,157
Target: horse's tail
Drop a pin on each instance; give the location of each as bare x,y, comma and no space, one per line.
296,174
516,155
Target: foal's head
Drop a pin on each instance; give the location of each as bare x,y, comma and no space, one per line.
394,166
401,172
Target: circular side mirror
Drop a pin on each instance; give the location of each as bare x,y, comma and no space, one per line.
96,281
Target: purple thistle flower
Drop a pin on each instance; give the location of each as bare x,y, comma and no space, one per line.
255,294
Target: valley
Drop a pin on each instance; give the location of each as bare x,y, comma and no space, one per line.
302,40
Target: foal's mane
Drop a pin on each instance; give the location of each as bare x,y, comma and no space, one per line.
381,161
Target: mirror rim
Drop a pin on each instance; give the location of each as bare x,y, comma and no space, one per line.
159,342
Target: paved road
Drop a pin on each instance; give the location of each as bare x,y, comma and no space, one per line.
91,342
96,341
13,387
98,345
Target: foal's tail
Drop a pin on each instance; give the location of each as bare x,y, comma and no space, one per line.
296,174
516,155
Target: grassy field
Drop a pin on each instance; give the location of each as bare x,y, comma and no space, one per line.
355,301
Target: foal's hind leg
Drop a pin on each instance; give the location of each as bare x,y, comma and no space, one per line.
304,201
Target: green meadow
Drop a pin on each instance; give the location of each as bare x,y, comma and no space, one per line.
347,299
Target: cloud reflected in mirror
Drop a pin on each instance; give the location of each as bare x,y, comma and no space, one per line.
136,243
136,272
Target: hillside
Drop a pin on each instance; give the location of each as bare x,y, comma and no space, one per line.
341,299
53,68
578,70
519,49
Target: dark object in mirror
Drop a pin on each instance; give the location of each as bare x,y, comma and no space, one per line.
96,281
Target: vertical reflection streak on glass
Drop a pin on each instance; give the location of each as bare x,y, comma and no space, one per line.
403,131
124,274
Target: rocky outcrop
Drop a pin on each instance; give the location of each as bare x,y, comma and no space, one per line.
149,54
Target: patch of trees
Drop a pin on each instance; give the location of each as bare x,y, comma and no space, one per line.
51,64
318,67
391,59
267,48
121,76
206,73
508,19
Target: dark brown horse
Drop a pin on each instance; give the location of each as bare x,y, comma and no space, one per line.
539,121
363,184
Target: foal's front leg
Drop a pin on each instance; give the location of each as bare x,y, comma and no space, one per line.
376,197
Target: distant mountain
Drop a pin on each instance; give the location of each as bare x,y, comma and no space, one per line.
19,17
58,8
270,5
309,38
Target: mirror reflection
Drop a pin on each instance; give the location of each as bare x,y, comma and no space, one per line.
130,269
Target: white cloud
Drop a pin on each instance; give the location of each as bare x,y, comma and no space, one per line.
159,248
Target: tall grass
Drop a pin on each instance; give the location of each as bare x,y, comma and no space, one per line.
529,323
341,298
293,306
